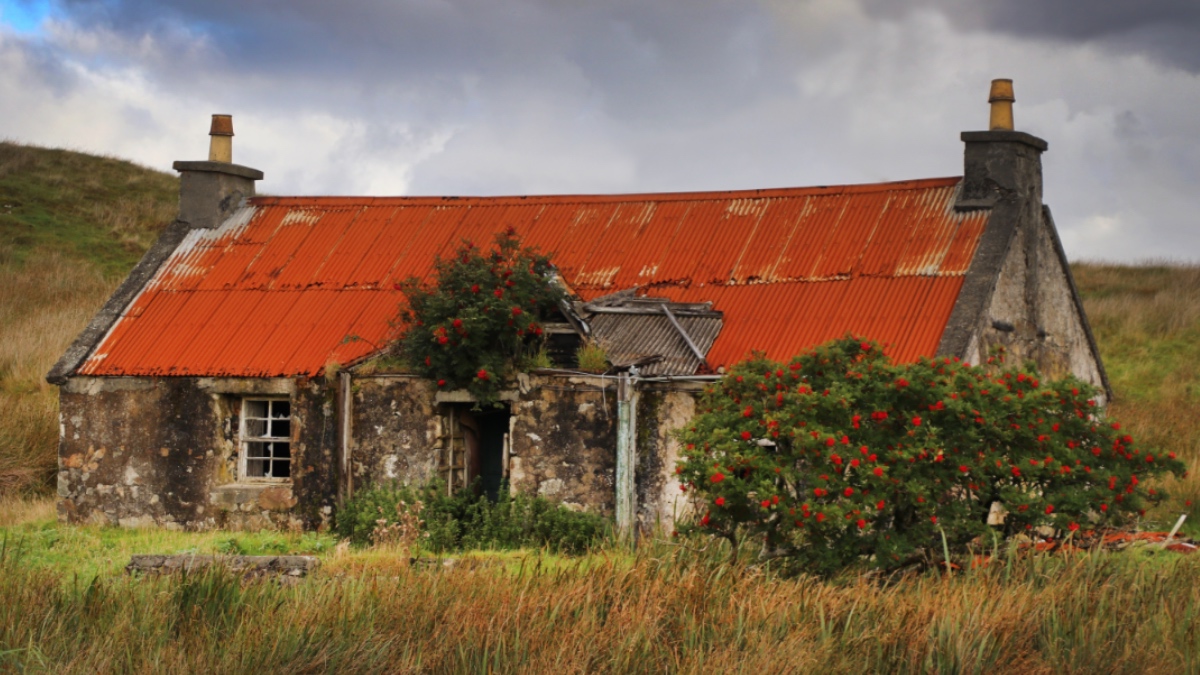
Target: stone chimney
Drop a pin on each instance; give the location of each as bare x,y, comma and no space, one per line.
210,191
1001,164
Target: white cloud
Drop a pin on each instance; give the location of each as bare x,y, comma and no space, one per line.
454,98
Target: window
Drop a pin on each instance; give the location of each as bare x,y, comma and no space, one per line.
266,439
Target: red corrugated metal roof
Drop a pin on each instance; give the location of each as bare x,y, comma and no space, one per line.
289,284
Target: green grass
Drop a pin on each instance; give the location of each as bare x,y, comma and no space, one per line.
100,210
30,532
87,552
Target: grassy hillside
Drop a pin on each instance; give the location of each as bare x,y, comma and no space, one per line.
1147,323
71,225
100,210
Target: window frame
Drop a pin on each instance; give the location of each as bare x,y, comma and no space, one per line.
245,438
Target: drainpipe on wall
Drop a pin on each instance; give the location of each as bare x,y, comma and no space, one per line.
627,400
347,434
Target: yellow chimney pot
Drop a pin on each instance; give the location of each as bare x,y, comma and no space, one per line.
1002,100
220,144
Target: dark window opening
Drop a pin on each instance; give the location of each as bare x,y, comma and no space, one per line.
266,439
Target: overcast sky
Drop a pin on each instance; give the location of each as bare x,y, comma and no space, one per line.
389,97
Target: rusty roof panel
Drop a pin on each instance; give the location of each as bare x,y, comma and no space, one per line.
277,289
324,233
651,250
757,261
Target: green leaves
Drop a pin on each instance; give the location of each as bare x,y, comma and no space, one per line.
480,317
841,455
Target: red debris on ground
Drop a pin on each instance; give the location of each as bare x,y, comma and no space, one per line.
1111,540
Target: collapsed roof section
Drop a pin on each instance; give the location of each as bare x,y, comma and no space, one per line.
656,335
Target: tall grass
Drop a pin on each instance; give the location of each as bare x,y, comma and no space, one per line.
1146,319
44,303
664,611
17,510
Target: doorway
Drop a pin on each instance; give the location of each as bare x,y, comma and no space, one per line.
475,449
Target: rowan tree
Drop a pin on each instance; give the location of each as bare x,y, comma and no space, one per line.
841,456
481,315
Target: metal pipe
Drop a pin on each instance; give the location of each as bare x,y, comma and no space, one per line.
347,432
683,378
683,333
626,481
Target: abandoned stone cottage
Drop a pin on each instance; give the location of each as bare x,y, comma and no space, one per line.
229,381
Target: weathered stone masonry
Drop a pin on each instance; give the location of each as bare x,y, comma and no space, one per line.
163,451
175,466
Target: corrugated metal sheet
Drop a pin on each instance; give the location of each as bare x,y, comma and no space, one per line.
289,284
626,338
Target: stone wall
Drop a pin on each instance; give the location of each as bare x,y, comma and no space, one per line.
1033,314
394,430
563,439
163,451
662,411
564,444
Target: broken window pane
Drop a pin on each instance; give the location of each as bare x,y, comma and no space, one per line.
255,428
266,439
255,408
281,428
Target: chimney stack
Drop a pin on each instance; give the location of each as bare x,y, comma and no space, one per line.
210,191
1001,164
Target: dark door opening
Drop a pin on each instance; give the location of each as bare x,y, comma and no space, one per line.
493,455
482,437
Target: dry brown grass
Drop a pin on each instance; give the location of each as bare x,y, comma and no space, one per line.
15,510
44,304
665,611
1147,322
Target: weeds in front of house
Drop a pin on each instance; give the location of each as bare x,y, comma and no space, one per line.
400,534
465,521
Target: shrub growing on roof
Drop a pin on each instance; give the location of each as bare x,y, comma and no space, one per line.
482,315
840,456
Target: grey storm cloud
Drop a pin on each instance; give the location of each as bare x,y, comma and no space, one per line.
1168,30
534,96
